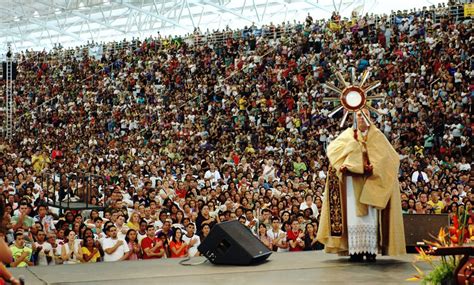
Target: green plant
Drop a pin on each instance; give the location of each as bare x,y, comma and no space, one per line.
442,267
442,271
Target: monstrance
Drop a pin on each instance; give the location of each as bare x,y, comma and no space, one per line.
353,97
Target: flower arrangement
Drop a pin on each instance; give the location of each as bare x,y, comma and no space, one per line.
443,268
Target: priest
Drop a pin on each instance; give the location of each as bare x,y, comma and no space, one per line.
361,213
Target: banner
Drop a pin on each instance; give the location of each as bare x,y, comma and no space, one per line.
469,10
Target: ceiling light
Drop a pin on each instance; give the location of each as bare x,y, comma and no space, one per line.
57,11
81,5
16,19
106,2
36,14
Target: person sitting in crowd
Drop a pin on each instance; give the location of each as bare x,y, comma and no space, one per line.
178,248
20,251
152,245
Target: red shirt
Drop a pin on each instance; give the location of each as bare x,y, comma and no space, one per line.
181,193
56,153
293,236
236,158
149,243
176,246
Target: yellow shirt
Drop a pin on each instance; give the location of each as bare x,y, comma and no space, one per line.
96,256
40,162
437,207
17,252
242,104
132,226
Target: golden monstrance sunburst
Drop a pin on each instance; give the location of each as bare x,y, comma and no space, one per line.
353,97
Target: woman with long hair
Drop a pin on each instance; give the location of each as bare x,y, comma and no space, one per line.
285,216
173,211
134,221
187,211
178,248
411,206
310,242
178,221
71,252
204,218
164,239
204,232
132,241
90,251
90,222
263,236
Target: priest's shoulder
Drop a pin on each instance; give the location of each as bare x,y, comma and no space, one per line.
347,133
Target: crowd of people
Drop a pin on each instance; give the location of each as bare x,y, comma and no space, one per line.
182,135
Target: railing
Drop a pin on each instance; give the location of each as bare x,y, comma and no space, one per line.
455,10
72,190
436,14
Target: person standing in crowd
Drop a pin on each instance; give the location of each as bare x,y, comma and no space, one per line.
44,219
20,251
22,220
277,236
310,204
115,249
151,245
193,241
43,250
90,251
133,244
178,248
5,252
310,241
263,236
295,237
71,251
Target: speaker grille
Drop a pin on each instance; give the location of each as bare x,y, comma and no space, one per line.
423,227
245,238
232,243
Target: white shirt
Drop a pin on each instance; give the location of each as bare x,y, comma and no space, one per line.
193,250
73,259
42,255
121,230
118,253
140,237
321,174
274,235
464,166
414,176
213,176
313,207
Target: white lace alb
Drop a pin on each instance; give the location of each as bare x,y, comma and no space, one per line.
362,239
362,231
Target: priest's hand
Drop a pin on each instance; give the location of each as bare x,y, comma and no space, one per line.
343,169
368,169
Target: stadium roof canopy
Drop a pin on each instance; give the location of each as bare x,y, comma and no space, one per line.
40,24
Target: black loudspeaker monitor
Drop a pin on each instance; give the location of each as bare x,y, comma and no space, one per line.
234,244
419,228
